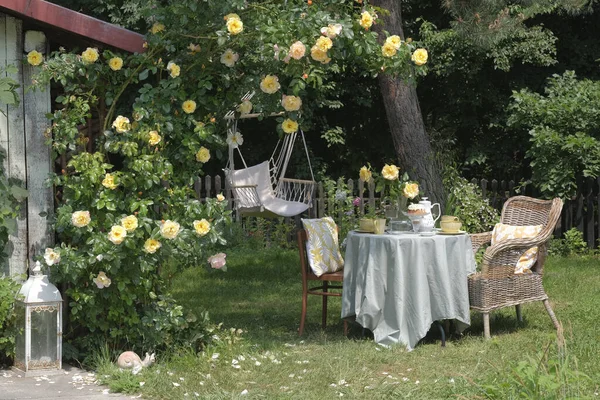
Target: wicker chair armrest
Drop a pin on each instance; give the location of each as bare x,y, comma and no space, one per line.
479,239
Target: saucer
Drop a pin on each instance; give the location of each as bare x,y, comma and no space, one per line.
361,231
428,233
452,233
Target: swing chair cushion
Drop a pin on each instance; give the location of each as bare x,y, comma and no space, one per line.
262,198
322,246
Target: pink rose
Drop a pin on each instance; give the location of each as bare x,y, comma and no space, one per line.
356,202
217,261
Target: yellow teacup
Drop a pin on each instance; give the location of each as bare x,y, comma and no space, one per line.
450,224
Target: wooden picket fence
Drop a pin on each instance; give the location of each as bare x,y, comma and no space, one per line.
581,212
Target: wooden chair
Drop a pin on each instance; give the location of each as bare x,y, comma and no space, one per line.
497,286
321,290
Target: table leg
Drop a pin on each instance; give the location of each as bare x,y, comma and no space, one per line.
442,332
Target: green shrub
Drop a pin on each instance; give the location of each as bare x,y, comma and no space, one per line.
466,201
8,330
571,244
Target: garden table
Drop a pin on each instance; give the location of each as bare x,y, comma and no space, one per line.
397,285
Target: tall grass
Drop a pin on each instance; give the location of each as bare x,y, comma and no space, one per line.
260,295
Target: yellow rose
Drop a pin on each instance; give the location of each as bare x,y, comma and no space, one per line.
35,58
235,25
229,58
115,63
297,50
270,84
245,107
231,15
289,126
80,218
203,155
117,234
419,57
151,245
291,103
109,182
395,41
157,27
169,229
121,124
390,172
388,50
101,280
174,69
324,43
366,20
130,223
411,190
220,197
51,257
90,55
189,106
365,174
331,30
154,138
319,55
202,227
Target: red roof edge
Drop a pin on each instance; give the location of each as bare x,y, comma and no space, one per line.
77,23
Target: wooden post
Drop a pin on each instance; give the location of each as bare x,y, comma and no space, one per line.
36,104
17,263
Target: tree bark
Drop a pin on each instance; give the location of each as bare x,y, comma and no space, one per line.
411,141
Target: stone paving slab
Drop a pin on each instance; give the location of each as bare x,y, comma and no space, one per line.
72,383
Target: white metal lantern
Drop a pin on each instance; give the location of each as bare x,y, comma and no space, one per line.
39,315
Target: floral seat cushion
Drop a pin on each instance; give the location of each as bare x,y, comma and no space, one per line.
322,245
503,232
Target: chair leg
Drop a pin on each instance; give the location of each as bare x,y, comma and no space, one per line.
303,316
551,314
486,325
519,314
345,328
324,318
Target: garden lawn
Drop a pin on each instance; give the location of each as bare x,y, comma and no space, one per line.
261,294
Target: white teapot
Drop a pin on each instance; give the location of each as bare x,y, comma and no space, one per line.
427,221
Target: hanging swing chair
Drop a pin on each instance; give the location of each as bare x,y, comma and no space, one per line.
263,190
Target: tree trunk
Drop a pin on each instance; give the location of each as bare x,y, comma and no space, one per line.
411,141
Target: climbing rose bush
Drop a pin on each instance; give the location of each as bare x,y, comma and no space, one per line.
127,209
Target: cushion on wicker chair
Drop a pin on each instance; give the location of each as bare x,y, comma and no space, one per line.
503,232
322,246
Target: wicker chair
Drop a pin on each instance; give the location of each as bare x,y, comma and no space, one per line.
322,290
497,286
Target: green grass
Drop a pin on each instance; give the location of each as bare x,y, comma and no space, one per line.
260,294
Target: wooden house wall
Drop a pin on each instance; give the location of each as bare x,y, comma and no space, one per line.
22,129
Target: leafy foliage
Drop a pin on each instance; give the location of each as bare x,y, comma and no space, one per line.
8,291
563,126
11,196
571,244
466,202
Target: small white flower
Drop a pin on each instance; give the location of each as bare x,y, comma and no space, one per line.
342,382
234,361
405,379
181,379
215,356
241,358
175,384
417,382
451,380
333,385
235,139
142,384
257,363
291,375
196,394
244,392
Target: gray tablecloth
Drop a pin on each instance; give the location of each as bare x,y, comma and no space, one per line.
397,285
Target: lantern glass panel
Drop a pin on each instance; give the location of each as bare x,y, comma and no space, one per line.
44,337
20,338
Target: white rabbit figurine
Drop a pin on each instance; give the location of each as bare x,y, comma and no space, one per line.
130,360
